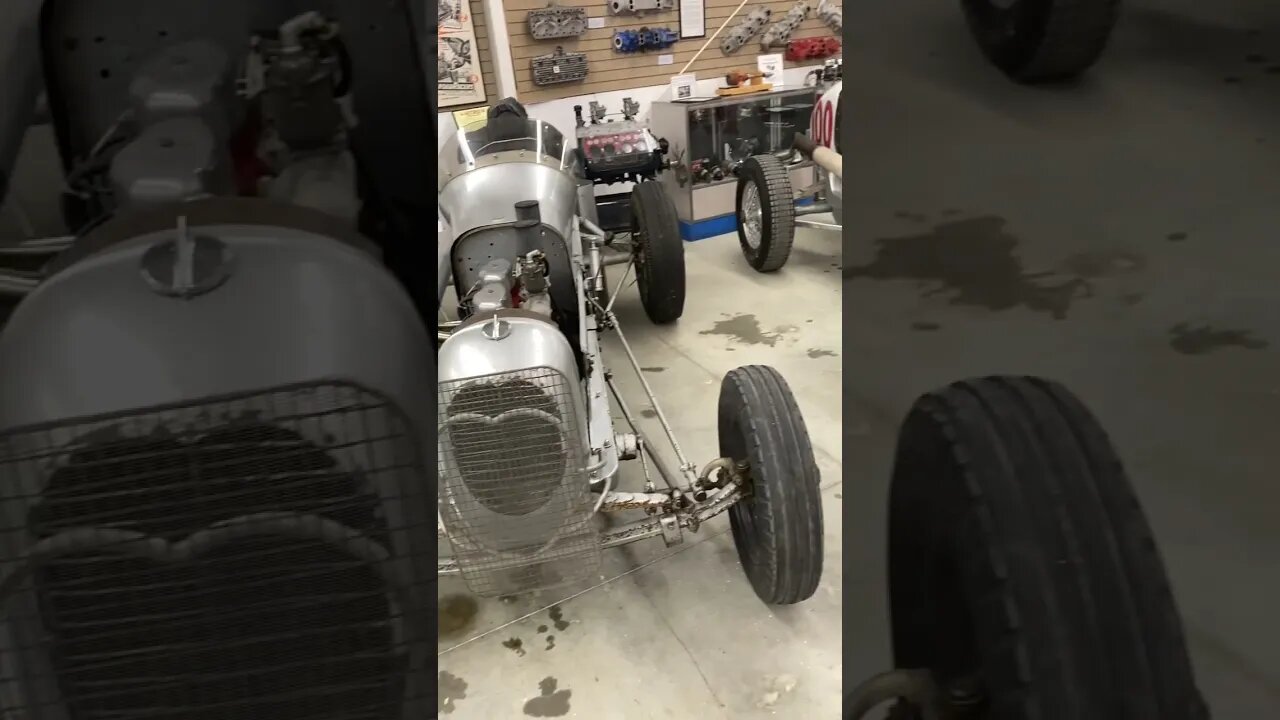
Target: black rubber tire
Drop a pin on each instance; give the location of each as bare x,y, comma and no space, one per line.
777,212
778,528
1020,557
655,236
1042,40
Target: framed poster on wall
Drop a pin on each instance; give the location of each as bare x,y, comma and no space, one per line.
458,77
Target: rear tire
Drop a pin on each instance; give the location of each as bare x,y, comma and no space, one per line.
778,528
766,212
1042,40
659,253
1021,564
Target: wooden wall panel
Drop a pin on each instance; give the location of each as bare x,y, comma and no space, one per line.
481,26
610,70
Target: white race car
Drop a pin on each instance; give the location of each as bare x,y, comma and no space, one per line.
769,210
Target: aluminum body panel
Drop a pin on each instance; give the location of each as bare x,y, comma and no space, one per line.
487,195
531,342
297,307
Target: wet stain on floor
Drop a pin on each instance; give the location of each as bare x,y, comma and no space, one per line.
1176,237
542,629
551,642
649,413
817,353
456,613
449,690
912,216
1231,80
973,261
746,329
1095,265
515,645
653,369
550,703
924,326
1205,339
1131,299
557,618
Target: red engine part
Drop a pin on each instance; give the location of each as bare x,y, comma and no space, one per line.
812,48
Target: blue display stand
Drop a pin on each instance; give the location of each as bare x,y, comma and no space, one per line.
711,227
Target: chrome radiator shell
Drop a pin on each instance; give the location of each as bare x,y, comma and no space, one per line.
512,456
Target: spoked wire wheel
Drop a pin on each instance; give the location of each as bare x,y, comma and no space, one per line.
766,212
752,216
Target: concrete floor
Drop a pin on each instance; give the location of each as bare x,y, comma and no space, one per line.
684,637
1119,235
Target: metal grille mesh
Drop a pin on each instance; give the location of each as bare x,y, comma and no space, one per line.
257,556
513,490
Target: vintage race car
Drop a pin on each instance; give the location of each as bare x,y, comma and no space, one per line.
768,209
216,423
529,447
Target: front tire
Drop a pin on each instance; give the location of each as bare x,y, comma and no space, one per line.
659,253
1042,40
778,528
766,212
1021,566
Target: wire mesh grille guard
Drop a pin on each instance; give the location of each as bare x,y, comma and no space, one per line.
256,556
513,493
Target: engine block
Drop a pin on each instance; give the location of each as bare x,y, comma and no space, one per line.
831,15
812,49
559,67
746,29
557,22
644,39
780,32
624,7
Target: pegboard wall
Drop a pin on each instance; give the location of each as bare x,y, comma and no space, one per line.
481,25
610,70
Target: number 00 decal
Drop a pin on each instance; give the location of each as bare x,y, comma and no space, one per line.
824,123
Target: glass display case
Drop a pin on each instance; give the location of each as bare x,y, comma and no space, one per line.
709,137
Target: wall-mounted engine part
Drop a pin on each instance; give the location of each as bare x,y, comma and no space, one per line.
597,112
779,33
559,67
171,161
624,7
630,109
831,15
644,39
557,22
812,49
746,29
